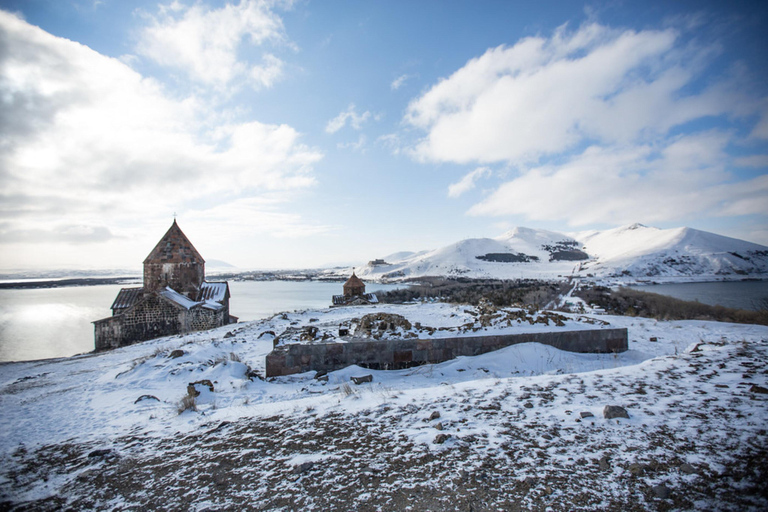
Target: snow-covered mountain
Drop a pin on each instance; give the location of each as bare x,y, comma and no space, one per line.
628,253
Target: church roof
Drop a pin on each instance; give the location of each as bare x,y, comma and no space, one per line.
127,297
354,281
174,247
213,291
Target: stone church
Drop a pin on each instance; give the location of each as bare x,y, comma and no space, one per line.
175,298
354,293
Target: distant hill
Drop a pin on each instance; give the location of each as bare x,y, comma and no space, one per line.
217,264
628,253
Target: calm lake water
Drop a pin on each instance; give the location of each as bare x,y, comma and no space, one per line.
737,294
56,322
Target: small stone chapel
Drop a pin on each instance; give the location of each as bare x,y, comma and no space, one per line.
354,293
175,298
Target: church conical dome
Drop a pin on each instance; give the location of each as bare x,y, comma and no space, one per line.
174,247
354,286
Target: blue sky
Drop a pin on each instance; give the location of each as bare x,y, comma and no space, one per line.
299,134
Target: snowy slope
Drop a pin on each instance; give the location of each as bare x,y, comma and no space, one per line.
522,427
679,252
628,253
464,258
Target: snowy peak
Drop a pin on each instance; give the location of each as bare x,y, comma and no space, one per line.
628,253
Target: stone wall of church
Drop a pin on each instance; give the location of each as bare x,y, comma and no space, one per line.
200,319
152,318
185,278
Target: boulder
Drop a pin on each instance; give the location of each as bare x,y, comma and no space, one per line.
441,438
615,411
99,453
435,415
661,491
176,353
302,468
586,414
364,378
758,389
191,391
146,397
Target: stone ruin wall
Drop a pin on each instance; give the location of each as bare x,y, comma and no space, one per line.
398,354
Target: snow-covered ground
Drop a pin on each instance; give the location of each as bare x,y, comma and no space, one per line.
521,428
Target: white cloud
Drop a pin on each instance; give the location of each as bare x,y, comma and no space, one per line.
358,145
682,179
398,82
350,116
269,73
752,161
205,42
467,183
545,96
87,137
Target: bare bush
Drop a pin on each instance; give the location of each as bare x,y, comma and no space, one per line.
187,403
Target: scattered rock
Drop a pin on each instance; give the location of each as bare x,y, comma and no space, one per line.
725,386
653,338
309,333
313,320
381,322
586,414
758,389
441,438
615,411
302,468
439,426
435,415
604,464
320,374
528,405
267,333
176,353
364,378
687,469
191,391
661,491
230,334
253,374
636,469
146,397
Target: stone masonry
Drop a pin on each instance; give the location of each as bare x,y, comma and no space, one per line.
406,353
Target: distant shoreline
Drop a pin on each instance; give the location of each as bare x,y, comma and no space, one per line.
61,283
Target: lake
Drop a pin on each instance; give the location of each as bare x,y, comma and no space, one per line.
56,322
735,294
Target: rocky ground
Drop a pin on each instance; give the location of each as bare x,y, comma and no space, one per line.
695,439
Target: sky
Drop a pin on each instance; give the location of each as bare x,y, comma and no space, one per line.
307,133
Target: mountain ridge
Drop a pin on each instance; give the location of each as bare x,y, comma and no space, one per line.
630,253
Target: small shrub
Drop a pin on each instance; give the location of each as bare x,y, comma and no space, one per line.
347,390
187,403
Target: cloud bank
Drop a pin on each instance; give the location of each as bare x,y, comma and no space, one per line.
596,122
85,136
